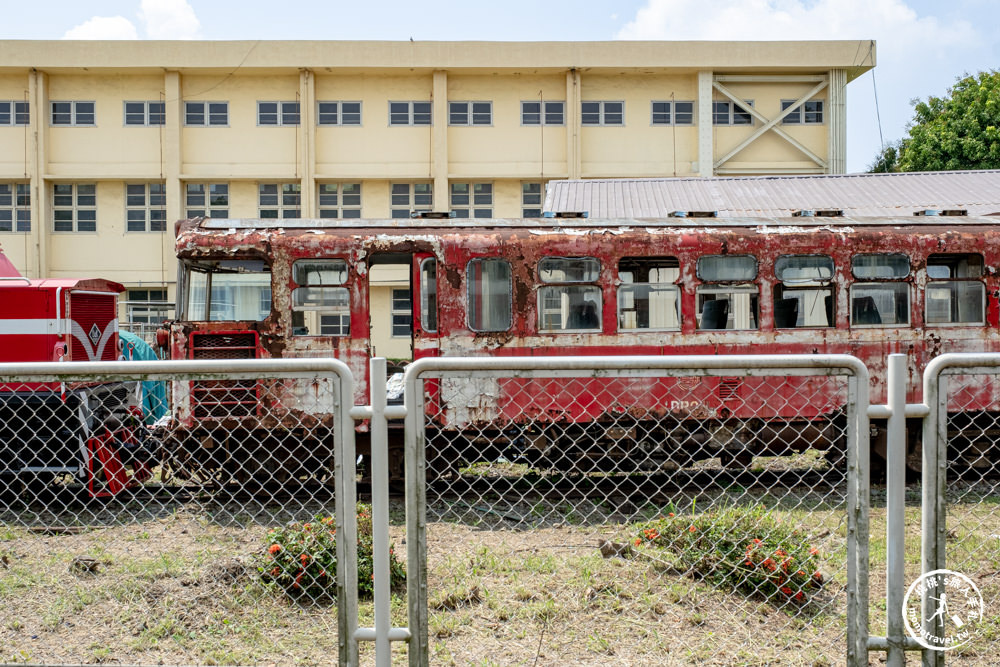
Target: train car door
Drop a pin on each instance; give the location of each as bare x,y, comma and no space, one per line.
390,307
426,339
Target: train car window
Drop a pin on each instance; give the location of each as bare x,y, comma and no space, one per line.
724,303
319,306
648,297
881,304
954,293
227,290
803,296
489,294
428,294
563,303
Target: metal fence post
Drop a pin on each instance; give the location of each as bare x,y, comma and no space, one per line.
895,509
934,480
416,516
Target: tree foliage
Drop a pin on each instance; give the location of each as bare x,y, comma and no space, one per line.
958,131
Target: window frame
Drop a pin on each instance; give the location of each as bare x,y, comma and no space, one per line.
731,121
428,293
395,311
564,286
20,203
892,282
713,286
342,328
674,287
339,207
339,113
544,113
148,207
281,113
74,113
801,114
147,113
209,207
206,113
602,113
396,213
528,208
673,113
13,114
470,113
280,207
75,208
977,280
820,285
474,208
148,306
411,113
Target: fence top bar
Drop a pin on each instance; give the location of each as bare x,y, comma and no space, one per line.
846,362
958,360
168,369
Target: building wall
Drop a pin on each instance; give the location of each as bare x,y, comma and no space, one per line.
243,154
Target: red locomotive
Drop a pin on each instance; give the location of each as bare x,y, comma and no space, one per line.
49,430
861,286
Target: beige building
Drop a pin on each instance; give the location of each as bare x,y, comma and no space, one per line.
103,145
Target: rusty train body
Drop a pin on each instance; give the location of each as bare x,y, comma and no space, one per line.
867,287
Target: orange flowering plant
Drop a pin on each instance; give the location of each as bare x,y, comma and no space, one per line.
301,558
744,550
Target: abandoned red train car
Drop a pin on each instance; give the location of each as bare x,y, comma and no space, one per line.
861,286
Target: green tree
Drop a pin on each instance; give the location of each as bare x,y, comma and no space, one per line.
887,161
959,131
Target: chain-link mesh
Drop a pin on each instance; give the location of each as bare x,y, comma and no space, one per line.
207,537
636,520
972,542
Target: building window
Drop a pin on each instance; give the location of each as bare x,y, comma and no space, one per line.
147,306
472,200
145,113
566,302
672,113
729,297
808,113
543,113
884,303
340,200
489,294
531,200
13,112
338,113
730,113
74,207
204,114
602,113
145,207
409,113
402,313
320,305
277,113
207,199
15,207
648,296
73,113
405,198
470,113
279,200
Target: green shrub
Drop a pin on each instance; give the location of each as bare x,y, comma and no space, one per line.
301,559
744,550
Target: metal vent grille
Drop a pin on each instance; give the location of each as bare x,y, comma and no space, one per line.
94,313
730,388
220,399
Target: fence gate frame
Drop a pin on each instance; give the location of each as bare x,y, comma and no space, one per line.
857,411
345,487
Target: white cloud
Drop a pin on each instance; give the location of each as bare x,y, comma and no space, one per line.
169,19
103,27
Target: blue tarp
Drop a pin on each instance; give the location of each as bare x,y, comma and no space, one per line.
154,393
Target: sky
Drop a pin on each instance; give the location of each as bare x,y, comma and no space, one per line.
923,46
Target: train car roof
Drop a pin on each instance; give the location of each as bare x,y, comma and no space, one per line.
95,284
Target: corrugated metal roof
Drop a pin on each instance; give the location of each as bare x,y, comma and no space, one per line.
856,194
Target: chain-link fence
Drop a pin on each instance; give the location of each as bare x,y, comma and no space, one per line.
630,514
208,537
968,425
